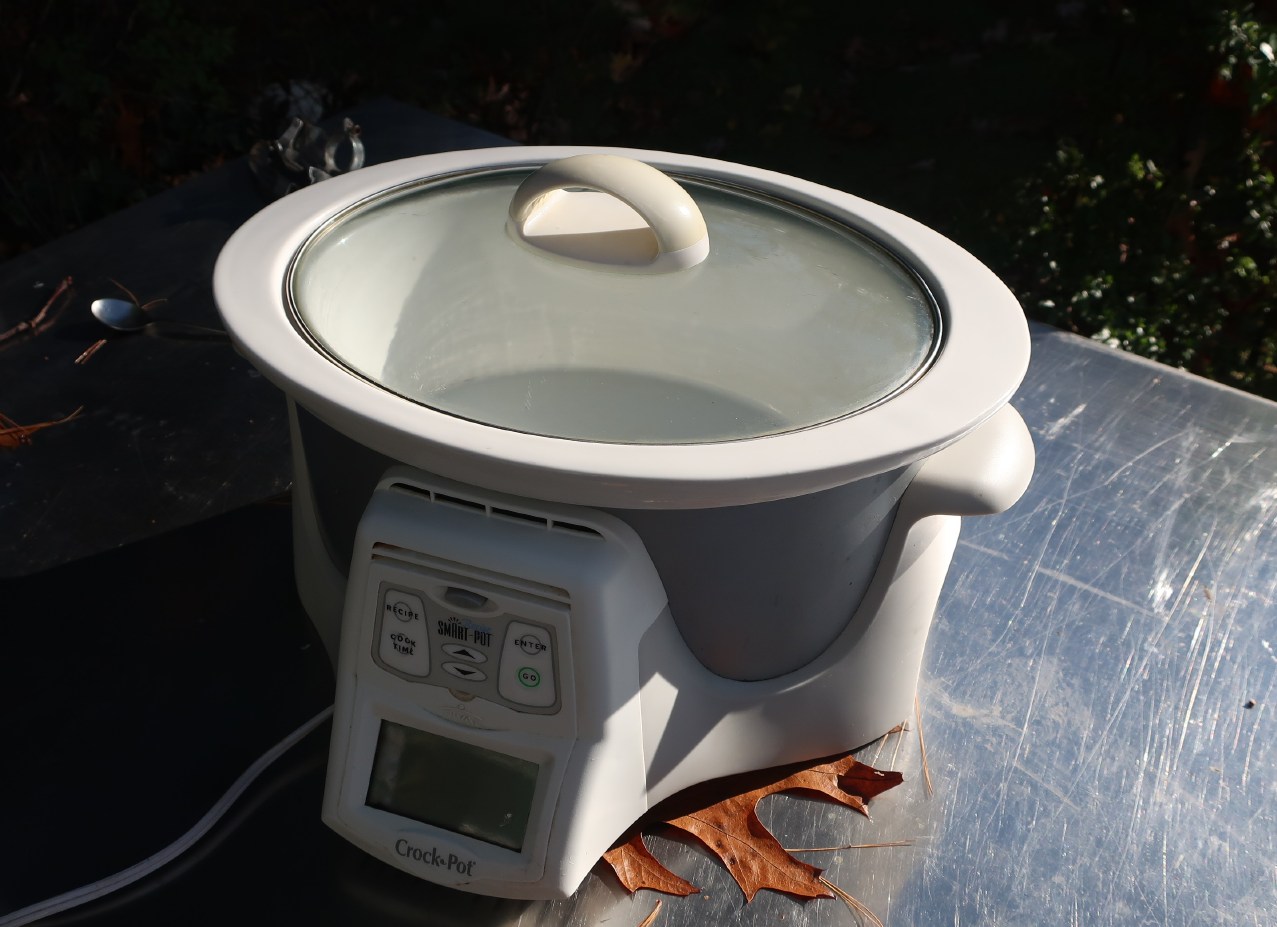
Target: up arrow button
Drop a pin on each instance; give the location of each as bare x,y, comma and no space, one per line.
462,652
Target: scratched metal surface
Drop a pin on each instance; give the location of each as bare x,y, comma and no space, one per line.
1084,702
1084,695
1085,691
1084,699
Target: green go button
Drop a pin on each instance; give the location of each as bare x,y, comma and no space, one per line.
529,677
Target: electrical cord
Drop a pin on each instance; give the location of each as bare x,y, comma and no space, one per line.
125,877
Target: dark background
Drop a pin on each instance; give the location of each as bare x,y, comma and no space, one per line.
1112,162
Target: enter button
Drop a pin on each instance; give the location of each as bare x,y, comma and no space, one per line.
526,676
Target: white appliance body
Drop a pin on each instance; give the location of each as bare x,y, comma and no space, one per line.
526,627
513,694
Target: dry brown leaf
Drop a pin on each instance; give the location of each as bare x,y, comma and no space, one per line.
731,830
637,868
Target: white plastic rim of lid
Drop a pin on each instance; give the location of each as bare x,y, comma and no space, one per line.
983,359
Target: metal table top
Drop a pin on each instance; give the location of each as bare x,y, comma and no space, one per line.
1097,695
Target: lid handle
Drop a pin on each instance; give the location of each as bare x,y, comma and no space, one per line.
610,213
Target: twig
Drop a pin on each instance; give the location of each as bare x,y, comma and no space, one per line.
856,906
651,918
14,435
922,745
34,322
90,351
133,296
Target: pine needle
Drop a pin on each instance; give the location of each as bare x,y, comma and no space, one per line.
851,846
651,918
878,752
882,741
922,745
896,754
857,907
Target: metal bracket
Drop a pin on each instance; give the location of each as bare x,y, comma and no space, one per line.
303,155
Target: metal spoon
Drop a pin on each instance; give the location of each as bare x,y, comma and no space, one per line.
126,316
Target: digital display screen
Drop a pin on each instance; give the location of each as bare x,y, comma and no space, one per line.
455,786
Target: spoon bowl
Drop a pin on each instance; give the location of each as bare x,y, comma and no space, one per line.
124,315
120,314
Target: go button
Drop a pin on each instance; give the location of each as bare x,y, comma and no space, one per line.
526,675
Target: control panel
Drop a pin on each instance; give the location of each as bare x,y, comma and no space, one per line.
487,732
467,640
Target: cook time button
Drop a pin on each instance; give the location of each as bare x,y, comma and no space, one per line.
527,665
402,644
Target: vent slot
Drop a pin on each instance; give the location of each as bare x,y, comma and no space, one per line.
457,500
521,516
574,528
474,505
409,489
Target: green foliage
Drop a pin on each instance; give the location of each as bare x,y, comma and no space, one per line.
108,102
1114,164
1157,234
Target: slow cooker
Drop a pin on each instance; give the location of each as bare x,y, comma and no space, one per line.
615,471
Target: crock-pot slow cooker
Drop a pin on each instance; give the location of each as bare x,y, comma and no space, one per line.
616,471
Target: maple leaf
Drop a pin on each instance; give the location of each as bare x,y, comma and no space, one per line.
730,828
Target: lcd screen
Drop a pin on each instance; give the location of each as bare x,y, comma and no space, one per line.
453,785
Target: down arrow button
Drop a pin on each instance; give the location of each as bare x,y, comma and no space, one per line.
461,671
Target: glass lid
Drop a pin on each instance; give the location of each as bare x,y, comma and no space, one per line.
570,305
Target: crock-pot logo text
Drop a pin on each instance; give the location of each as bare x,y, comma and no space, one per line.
430,856
465,631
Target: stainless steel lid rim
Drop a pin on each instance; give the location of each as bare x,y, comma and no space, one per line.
978,368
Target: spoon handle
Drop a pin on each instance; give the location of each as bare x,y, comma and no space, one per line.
180,325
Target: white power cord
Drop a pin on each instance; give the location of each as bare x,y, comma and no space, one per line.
112,883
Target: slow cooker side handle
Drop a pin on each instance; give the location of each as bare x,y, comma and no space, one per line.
983,473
